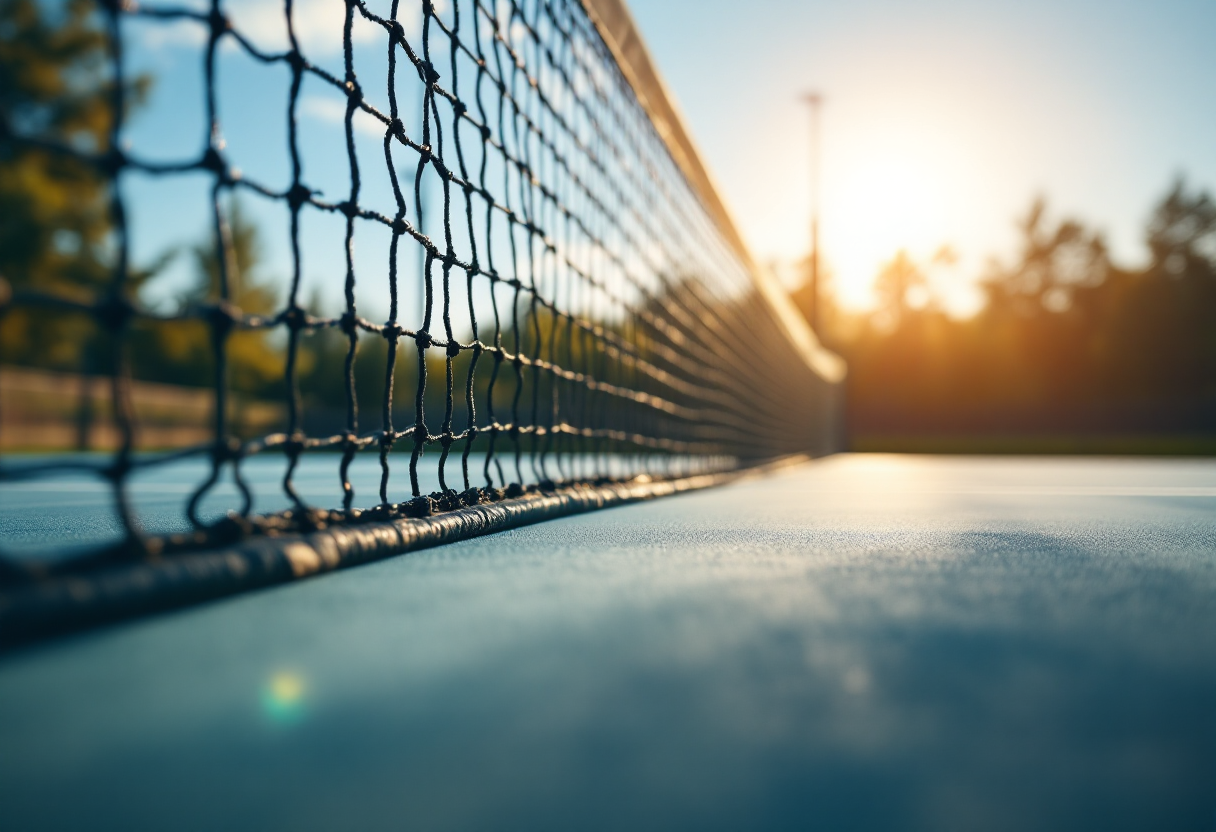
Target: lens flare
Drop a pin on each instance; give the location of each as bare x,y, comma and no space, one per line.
283,697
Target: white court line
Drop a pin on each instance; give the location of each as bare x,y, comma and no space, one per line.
905,486
1032,491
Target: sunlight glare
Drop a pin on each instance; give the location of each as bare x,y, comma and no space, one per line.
884,203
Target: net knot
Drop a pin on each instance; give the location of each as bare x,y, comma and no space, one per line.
313,520
113,311
423,339
221,316
349,209
294,317
418,507
296,61
384,511
217,22
229,529
400,226
449,500
354,92
348,323
214,162
453,348
227,449
294,446
397,128
396,32
459,108
297,195
112,161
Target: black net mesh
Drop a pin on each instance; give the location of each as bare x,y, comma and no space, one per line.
582,316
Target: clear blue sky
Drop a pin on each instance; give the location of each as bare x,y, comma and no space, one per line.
943,118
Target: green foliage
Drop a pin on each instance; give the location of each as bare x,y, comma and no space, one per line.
55,225
181,352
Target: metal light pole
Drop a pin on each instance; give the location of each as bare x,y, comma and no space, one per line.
813,100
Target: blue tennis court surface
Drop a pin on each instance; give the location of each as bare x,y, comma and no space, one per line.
49,515
859,642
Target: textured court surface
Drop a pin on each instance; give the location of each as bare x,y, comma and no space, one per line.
862,642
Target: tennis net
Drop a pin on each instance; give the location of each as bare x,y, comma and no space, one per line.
588,315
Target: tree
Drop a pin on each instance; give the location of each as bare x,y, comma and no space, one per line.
55,228
1165,316
1051,265
180,351
895,284
1182,232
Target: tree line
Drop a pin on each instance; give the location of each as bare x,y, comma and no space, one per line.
1067,341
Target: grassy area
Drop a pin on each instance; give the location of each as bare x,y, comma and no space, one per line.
1102,444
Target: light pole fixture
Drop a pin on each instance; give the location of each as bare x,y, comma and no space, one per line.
813,100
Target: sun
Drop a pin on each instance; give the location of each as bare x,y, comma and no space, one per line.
882,204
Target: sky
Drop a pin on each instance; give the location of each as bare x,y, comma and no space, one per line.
171,214
942,120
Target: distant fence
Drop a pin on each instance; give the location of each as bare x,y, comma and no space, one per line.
47,411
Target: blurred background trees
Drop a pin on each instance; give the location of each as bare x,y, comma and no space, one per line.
1066,344
55,227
